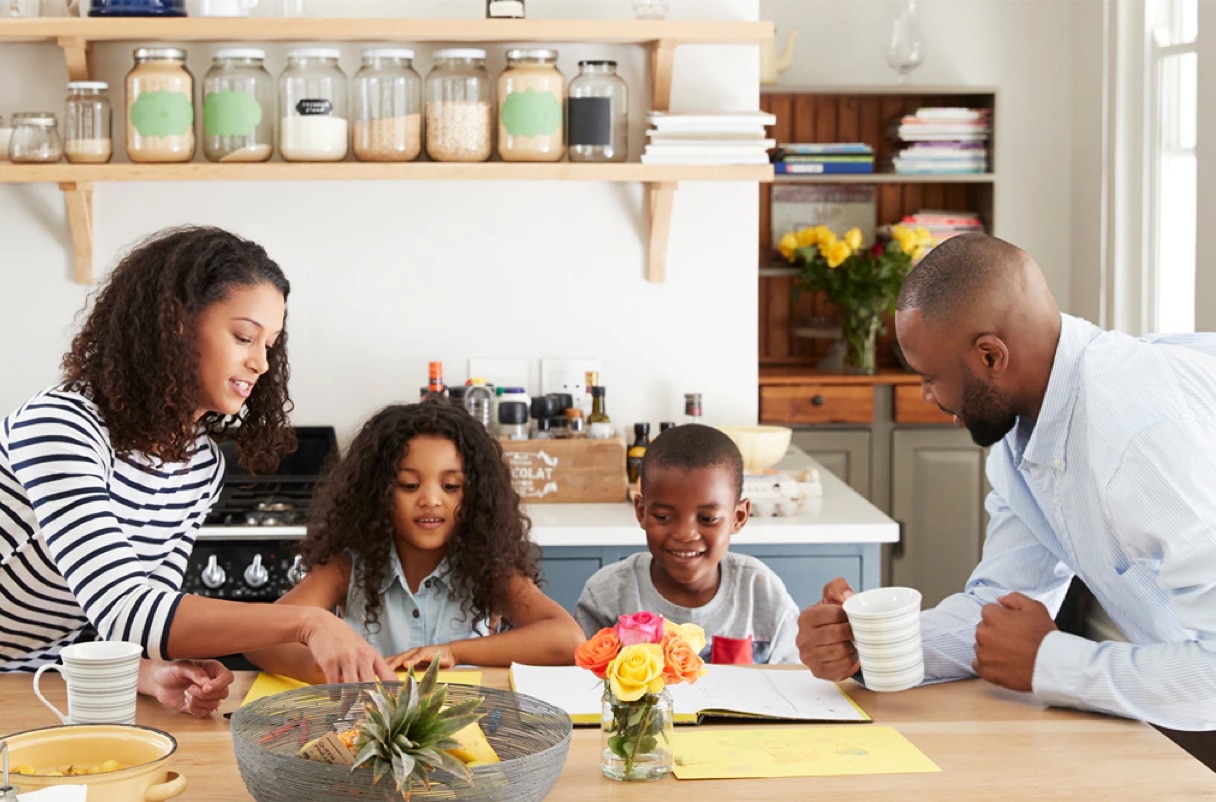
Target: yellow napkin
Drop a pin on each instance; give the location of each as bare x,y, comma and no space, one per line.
268,684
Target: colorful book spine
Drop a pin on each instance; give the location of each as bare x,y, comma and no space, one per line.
820,168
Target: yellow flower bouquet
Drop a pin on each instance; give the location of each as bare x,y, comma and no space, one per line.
861,282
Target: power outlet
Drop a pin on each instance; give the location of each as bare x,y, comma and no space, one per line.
567,376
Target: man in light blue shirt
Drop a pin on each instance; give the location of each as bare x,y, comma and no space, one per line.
1103,466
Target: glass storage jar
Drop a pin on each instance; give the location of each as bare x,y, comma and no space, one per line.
160,106
597,114
459,107
387,107
87,122
35,138
531,91
6,136
312,100
238,107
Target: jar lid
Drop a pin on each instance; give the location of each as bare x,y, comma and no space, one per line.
240,52
99,86
513,412
538,53
597,63
147,53
389,52
314,52
34,118
460,52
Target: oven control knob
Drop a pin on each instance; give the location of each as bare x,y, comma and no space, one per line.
255,574
296,572
213,575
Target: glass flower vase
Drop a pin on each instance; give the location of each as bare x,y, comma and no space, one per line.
859,329
636,737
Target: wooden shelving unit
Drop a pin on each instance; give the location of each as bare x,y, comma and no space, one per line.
77,37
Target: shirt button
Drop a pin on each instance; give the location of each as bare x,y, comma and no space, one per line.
1056,463
417,614
426,584
1055,502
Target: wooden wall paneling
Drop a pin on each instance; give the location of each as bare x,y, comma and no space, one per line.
870,124
805,110
779,316
848,123
932,196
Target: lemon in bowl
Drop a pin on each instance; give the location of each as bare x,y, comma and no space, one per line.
762,447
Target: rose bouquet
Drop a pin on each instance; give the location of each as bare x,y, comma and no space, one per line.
637,659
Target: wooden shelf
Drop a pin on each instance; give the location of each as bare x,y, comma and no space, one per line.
887,178
76,38
772,376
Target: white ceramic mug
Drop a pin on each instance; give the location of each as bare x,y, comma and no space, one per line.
226,8
102,679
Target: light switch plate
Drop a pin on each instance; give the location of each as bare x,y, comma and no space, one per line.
567,376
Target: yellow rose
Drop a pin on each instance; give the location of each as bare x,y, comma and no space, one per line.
839,252
923,237
905,237
692,633
826,244
636,671
823,232
918,253
807,237
788,246
853,237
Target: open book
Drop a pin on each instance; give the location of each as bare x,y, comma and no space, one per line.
725,690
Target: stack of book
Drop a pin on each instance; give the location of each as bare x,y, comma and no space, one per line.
811,158
737,138
942,140
944,223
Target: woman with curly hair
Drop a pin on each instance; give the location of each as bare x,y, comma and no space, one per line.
106,477
418,535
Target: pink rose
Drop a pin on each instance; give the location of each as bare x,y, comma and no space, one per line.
640,627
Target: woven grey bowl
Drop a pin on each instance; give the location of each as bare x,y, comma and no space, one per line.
531,737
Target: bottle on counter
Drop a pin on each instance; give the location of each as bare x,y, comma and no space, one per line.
513,420
637,451
434,382
456,394
542,430
479,401
665,425
599,425
692,408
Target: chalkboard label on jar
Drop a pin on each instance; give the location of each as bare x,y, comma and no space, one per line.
590,120
314,107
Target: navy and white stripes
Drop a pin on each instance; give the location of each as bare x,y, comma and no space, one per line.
89,536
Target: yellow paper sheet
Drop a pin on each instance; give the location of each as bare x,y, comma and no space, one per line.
732,753
268,684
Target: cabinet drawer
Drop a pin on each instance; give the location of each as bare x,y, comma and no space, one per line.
910,407
817,403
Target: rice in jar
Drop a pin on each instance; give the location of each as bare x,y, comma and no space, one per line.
531,94
459,107
160,106
387,107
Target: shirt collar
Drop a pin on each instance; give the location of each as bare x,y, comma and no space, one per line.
396,573
1050,434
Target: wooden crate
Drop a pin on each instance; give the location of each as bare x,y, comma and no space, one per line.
567,471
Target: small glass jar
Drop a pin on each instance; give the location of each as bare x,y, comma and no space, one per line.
531,91
312,100
635,740
35,139
87,123
597,114
238,107
387,107
459,107
6,136
160,106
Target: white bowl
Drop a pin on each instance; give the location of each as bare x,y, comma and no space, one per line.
762,447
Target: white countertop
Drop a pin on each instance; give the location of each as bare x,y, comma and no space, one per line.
841,515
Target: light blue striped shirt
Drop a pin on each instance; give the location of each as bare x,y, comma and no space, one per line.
1115,482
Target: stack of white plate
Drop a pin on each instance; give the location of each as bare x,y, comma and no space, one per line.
886,632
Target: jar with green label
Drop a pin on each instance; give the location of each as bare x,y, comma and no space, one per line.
160,106
238,107
531,94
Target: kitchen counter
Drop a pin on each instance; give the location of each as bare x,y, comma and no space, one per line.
989,744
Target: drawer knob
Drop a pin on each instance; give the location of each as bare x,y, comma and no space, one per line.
817,401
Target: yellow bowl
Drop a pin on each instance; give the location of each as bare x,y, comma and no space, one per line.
144,752
762,447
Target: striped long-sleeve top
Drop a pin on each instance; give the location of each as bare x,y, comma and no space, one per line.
1114,482
87,535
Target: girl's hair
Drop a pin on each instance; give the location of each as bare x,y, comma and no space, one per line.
353,508
136,355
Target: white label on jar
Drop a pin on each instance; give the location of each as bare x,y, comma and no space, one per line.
314,106
600,431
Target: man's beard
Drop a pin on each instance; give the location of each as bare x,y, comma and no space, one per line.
986,415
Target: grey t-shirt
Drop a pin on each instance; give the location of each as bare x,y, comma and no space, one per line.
751,600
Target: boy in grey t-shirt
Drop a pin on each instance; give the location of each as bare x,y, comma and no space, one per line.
690,506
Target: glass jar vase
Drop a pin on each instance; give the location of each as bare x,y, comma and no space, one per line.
160,106
531,92
459,107
87,123
238,107
597,114
35,139
636,737
312,100
859,325
387,107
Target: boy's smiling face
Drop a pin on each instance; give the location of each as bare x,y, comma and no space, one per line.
689,516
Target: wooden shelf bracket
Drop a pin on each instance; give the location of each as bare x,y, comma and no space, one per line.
660,197
78,53
662,61
78,197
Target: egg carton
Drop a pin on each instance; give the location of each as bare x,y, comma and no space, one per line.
781,495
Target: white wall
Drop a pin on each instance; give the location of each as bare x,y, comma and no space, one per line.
1028,49
389,275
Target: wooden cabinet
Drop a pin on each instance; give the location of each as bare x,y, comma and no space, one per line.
817,404
844,452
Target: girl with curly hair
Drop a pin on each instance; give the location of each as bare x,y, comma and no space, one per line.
418,535
106,477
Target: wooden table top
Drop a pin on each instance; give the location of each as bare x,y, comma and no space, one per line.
988,742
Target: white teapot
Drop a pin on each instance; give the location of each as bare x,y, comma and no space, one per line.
771,65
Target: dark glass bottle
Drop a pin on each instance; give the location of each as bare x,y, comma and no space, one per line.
599,425
637,451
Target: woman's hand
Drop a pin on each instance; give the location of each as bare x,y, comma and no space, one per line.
341,653
196,687
423,656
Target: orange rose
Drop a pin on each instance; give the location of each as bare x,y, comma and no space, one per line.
680,662
595,653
